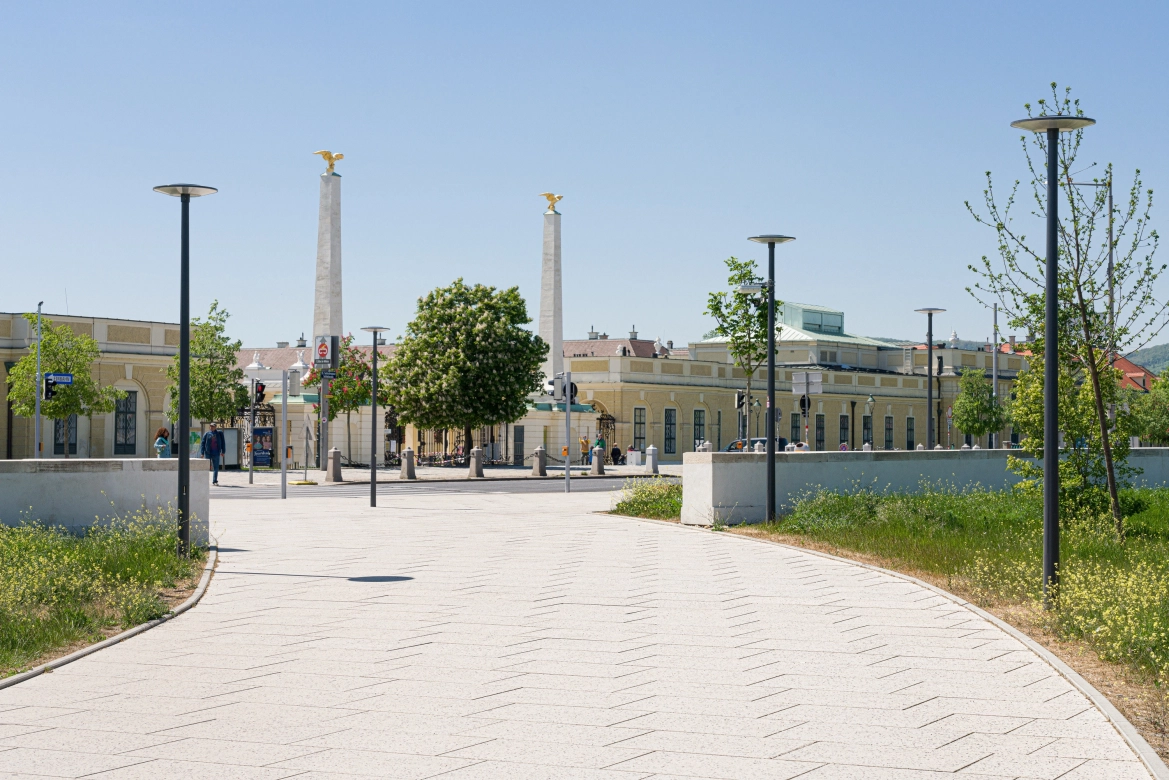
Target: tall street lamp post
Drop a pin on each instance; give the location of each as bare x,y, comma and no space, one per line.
375,330
929,367
1052,126
185,192
769,424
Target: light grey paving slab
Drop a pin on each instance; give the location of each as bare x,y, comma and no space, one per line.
531,638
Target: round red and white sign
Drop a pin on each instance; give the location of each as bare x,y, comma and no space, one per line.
323,349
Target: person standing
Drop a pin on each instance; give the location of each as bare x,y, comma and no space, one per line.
162,442
212,447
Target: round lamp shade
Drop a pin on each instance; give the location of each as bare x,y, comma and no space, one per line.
194,190
1064,124
771,239
929,310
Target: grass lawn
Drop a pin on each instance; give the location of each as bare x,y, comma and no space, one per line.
59,591
1112,624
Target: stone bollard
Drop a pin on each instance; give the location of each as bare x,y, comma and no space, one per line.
475,464
598,461
920,447
939,447
759,447
407,465
333,472
540,462
965,446
867,447
651,460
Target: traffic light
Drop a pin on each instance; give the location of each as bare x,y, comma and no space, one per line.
259,392
50,388
572,398
740,399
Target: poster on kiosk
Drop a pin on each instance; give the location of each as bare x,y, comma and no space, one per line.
262,446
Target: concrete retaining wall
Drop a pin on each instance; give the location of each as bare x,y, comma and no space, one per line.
77,493
732,487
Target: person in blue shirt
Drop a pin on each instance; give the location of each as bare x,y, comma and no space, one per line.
212,447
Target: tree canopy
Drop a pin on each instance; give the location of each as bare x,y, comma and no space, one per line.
65,352
466,360
976,410
217,389
742,319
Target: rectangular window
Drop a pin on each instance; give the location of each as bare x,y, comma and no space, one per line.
909,442
59,428
867,429
699,427
671,443
639,428
828,356
1014,438
718,425
843,429
819,433
517,451
797,431
126,424
889,432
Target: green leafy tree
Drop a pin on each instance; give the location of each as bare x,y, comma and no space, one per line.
1082,469
1150,411
742,319
976,410
1105,317
466,360
351,389
217,389
63,352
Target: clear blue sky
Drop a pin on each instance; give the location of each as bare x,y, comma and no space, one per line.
674,130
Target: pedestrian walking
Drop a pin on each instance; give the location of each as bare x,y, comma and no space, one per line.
212,447
162,442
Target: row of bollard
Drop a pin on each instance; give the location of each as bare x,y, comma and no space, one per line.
475,464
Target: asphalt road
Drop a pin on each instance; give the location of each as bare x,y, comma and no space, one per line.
397,488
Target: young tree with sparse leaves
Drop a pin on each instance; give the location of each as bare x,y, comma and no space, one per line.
976,410
62,352
742,319
1103,319
217,389
466,361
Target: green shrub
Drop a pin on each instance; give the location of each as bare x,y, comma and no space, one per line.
657,498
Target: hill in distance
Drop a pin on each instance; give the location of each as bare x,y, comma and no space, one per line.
1156,359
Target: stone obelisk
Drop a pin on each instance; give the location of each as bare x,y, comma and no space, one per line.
327,293
551,303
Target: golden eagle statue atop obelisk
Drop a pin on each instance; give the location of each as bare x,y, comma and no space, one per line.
330,158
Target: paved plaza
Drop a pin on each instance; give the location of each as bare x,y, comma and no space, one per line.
484,634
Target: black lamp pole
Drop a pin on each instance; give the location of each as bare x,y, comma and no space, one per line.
375,330
769,417
929,367
185,192
1052,126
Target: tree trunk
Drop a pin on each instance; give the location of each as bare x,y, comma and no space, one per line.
747,411
1102,417
467,443
349,435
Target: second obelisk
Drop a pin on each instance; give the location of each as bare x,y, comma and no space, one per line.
327,297
551,304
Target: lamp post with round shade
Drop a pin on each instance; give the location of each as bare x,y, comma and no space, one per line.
1052,126
929,367
375,330
185,192
769,424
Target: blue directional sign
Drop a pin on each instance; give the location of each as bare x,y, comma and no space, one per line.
60,379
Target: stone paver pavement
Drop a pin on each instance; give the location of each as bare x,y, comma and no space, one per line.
526,637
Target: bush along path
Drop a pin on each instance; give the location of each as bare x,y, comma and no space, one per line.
1112,624
59,590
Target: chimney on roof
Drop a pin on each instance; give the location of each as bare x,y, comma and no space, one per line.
670,344
281,345
1011,349
592,333
633,333
300,342
604,337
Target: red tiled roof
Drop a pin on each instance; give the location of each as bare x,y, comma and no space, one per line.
285,357
608,348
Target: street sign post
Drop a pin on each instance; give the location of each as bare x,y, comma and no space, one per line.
60,379
804,384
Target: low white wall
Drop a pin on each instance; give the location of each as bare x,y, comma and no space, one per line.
732,487
77,493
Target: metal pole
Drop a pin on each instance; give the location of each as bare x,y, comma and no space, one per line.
39,389
185,381
929,378
252,436
323,449
1051,379
769,425
567,431
284,433
373,431
994,371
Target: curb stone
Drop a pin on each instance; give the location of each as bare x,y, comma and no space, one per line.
1148,757
192,600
